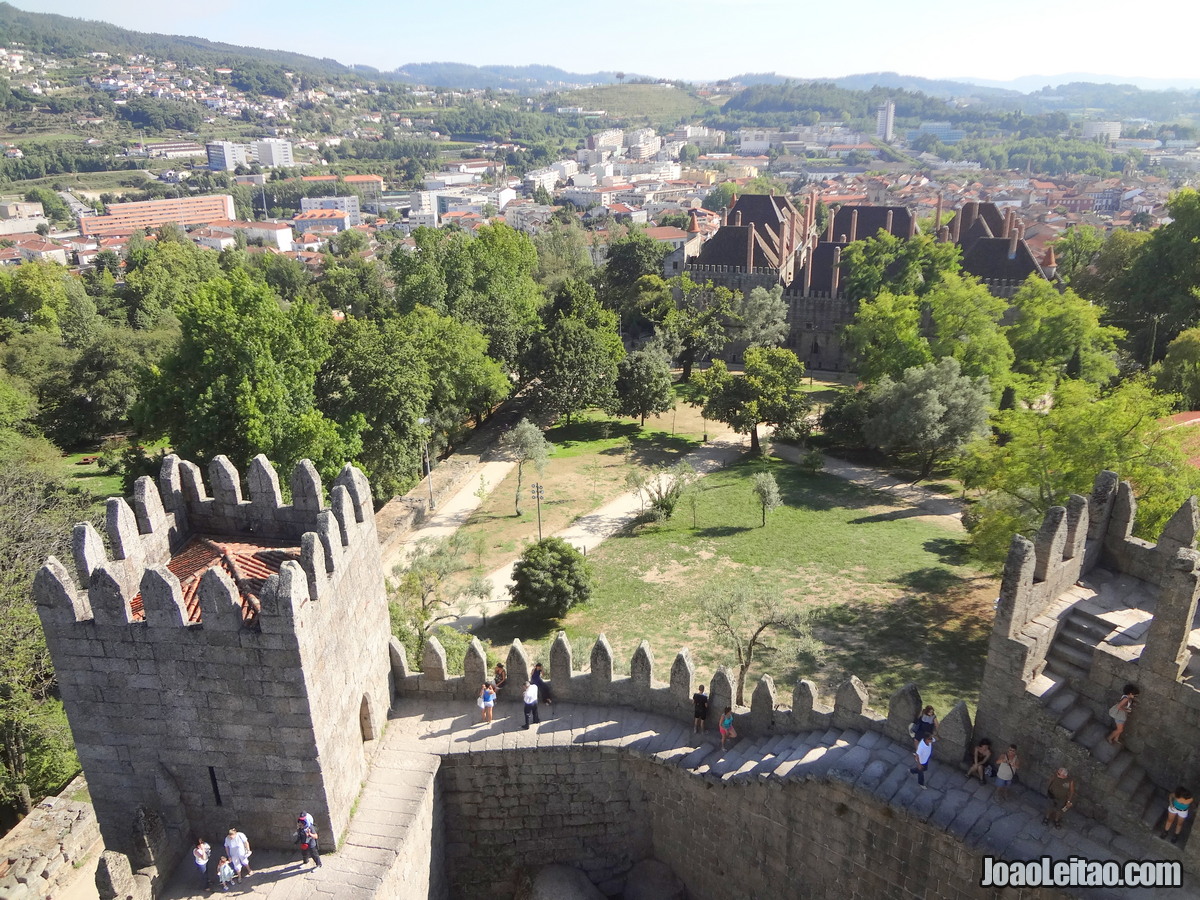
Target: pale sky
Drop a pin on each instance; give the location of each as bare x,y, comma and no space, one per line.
696,39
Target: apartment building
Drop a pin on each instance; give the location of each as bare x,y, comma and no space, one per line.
126,218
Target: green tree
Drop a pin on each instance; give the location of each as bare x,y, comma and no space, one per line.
1053,449
664,486
1049,330
932,411
550,578
573,368
901,266
542,196
720,197
525,443
770,392
34,296
1179,371
561,254
760,317
376,381
885,337
743,615
766,492
425,585
965,319
1156,298
643,385
629,259
693,317
1076,249
241,381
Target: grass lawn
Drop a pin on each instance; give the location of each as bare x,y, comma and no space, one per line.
90,477
892,597
592,457
650,101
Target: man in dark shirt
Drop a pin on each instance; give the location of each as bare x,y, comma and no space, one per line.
700,707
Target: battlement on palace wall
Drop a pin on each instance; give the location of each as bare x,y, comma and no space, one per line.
220,642
605,684
163,517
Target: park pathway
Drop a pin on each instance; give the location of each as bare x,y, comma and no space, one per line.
420,730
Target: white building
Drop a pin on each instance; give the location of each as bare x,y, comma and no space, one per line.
224,156
1101,131
273,152
545,178
348,205
885,121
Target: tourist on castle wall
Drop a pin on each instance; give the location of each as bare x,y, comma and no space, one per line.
499,676
530,698
1061,791
923,754
307,838
201,853
237,845
539,680
1119,711
1179,804
981,755
725,726
700,710
1006,772
225,873
925,723
487,702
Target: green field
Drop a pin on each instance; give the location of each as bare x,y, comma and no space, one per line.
652,102
890,596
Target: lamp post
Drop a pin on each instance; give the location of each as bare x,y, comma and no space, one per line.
537,495
428,467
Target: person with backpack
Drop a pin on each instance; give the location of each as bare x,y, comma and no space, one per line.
925,723
309,841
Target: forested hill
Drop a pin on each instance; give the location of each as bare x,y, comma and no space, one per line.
61,36
526,79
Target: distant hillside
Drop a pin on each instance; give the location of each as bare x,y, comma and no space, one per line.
1029,83
60,36
654,103
526,79
931,87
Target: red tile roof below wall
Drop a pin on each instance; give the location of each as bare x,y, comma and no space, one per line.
248,564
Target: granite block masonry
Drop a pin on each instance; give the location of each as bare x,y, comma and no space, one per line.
226,662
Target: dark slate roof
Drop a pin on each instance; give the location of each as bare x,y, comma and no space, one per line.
762,209
821,262
988,259
974,211
978,231
870,220
728,247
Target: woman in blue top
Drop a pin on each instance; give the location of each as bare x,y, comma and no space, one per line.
1178,806
487,701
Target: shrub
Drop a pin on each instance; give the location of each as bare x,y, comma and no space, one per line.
844,418
550,577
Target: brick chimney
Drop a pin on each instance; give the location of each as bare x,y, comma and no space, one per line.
737,218
1009,215
853,225
888,223
1050,263
1013,237
837,272
749,248
937,216
829,230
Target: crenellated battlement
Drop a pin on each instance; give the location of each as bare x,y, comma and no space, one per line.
252,558
218,638
640,689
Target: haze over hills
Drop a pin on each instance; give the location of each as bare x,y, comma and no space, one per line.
53,35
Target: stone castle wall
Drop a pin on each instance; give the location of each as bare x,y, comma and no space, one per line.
509,813
214,723
42,851
1036,599
604,685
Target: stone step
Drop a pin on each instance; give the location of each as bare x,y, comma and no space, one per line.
798,765
771,747
1063,699
1092,735
1064,668
1106,752
1088,628
731,759
1131,781
696,758
1119,763
1046,687
1061,650
1075,718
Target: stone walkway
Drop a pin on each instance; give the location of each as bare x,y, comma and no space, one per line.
420,729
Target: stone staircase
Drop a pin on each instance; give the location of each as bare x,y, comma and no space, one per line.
1139,801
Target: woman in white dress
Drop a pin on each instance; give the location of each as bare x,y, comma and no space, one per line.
237,845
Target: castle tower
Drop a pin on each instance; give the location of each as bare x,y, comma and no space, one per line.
225,660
